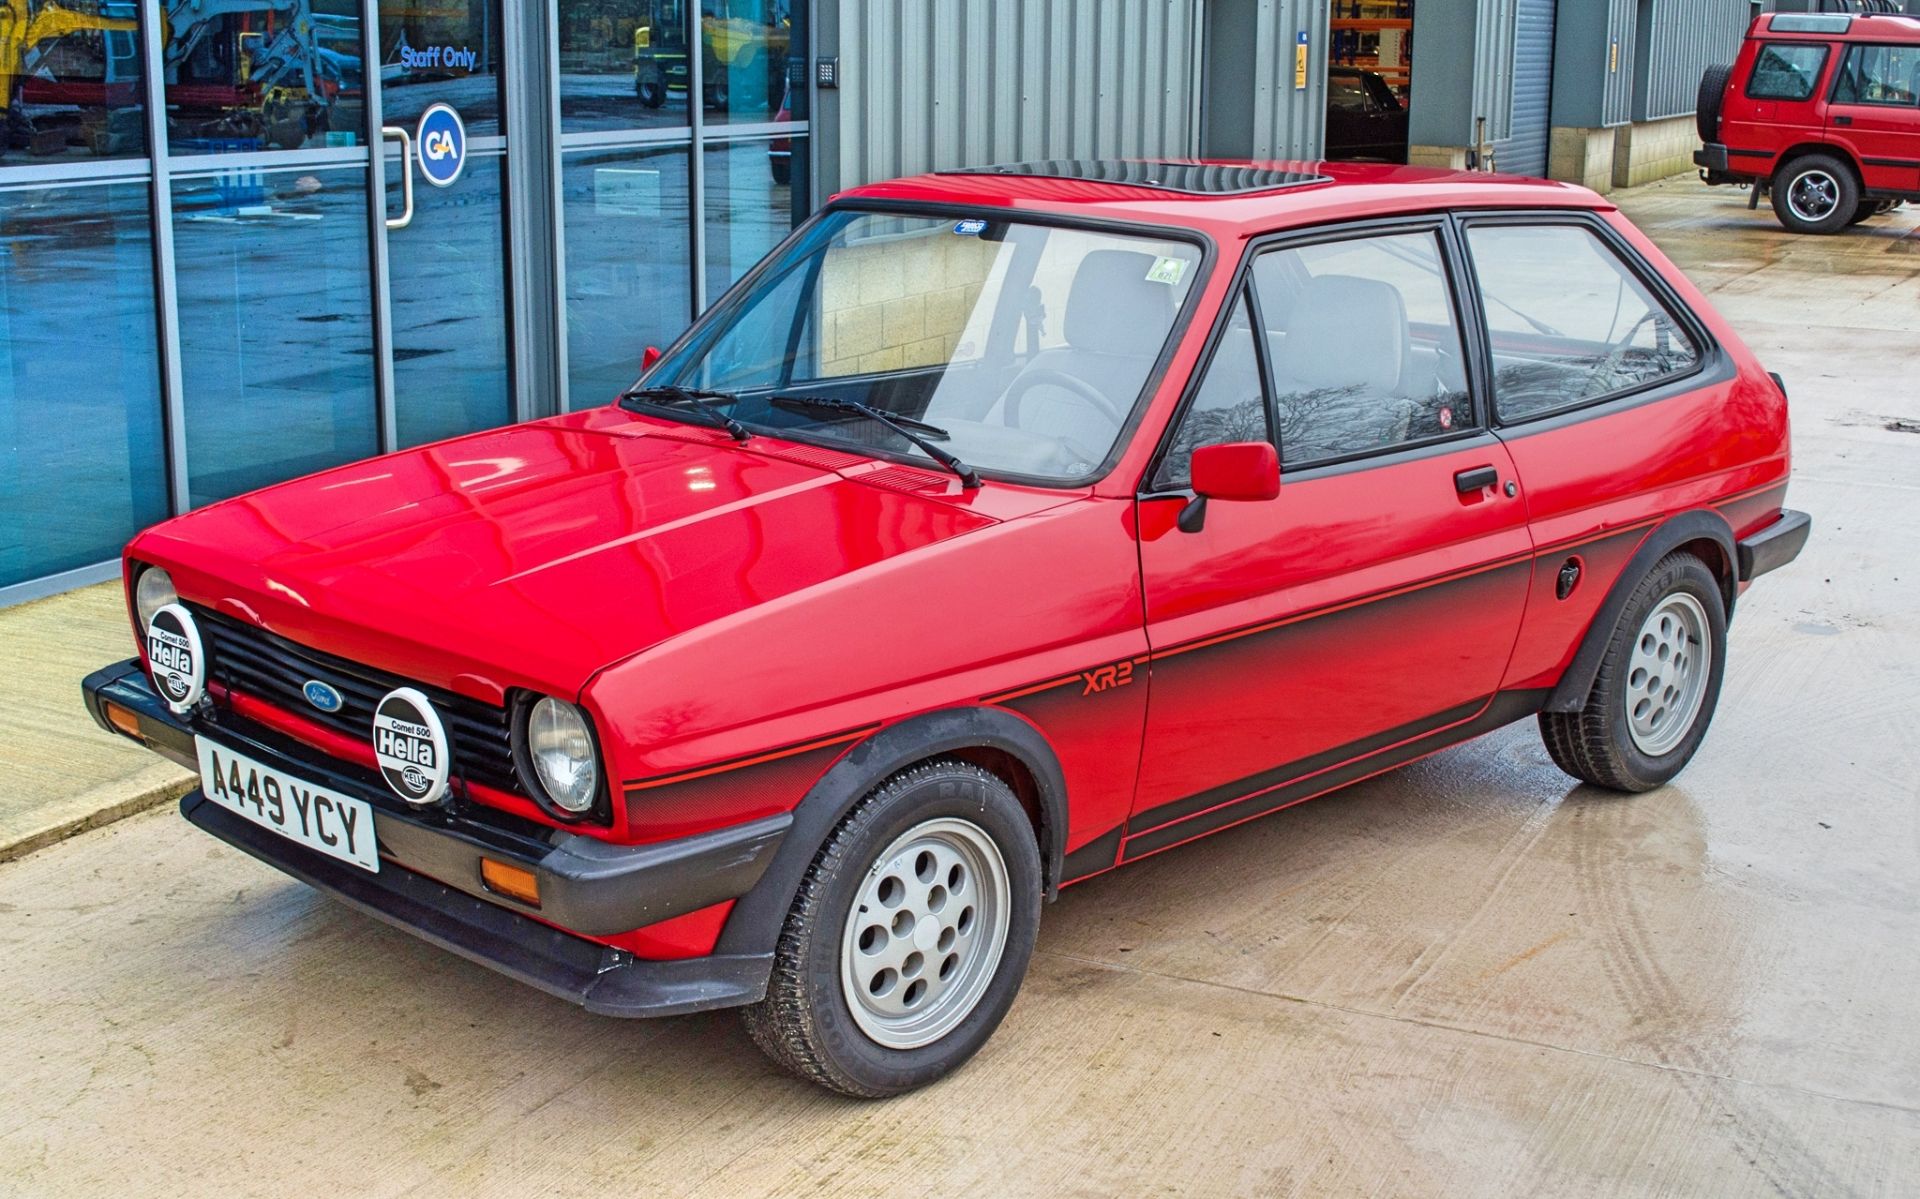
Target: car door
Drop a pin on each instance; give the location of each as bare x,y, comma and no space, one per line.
1303,641
1874,111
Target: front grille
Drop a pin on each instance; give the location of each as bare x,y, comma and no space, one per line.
275,670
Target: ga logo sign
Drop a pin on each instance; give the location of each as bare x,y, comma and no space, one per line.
443,145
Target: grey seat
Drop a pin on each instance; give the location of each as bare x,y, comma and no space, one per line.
1114,325
1341,368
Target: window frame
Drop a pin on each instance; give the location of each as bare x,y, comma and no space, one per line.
1242,294
1711,358
1467,323
1840,74
1819,73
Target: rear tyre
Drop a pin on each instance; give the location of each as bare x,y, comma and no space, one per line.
1657,687
909,936
1815,193
1866,210
1713,90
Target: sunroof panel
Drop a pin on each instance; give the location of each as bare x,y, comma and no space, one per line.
1189,178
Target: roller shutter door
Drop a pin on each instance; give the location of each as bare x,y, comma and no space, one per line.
1525,153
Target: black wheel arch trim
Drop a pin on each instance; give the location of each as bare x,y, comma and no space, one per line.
755,922
1699,524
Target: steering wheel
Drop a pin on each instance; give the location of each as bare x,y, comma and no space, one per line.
1617,353
1061,379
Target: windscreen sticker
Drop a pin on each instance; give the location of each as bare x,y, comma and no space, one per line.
973,227
1167,270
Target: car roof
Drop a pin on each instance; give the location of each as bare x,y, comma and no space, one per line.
1825,27
1298,194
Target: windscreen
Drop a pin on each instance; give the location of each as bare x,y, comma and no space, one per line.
1021,348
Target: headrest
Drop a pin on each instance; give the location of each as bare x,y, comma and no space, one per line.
1346,331
1114,308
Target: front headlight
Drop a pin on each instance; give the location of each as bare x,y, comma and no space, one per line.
152,591
561,748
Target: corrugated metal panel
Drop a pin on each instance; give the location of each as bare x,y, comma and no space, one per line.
1492,69
932,84
1288,122
1525,151
1616,90
1677,40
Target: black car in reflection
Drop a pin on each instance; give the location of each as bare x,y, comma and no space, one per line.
1365,121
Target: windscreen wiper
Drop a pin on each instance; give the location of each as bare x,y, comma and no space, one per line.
667,395
916,431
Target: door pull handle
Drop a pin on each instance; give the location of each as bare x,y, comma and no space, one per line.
1467,482
1843,120
406,176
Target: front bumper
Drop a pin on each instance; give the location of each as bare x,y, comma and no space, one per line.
429,882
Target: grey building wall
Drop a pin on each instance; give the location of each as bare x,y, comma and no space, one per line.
1593,55
931,84
1674,41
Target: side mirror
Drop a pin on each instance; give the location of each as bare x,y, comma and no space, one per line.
648,357
1241,471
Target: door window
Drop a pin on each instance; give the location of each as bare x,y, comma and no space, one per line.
1567,320
1786,71
1887,75
1364,345
1230,406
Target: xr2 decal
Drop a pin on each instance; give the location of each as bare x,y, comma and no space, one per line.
1106,678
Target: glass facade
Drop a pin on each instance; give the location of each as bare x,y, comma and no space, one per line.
261,298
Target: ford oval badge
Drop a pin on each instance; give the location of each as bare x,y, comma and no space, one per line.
321,696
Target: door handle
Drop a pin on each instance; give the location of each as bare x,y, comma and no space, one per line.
1467,482
1843,120
406,177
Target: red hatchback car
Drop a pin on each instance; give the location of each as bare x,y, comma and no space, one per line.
999,529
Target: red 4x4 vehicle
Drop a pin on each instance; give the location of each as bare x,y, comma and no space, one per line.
1821,110
1000,529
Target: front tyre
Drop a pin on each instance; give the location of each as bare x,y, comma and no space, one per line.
909,936
1815,193
1656,688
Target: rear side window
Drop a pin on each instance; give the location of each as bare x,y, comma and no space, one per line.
1787,71
1567,321
1879,75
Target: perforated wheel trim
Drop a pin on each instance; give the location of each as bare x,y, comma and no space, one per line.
1667,674
925,934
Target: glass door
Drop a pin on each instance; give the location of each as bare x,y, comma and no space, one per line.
444,145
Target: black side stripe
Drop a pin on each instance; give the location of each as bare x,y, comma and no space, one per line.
1213,797
1101,853
1507,707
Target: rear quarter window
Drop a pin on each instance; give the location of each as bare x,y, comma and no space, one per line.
1787,71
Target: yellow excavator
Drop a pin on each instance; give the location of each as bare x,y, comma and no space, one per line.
744,48
28,30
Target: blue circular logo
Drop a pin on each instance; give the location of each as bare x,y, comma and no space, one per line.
441,144
322,696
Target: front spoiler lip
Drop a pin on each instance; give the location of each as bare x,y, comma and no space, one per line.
609,981
430,876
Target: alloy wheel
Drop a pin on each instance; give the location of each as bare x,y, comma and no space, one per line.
1667,674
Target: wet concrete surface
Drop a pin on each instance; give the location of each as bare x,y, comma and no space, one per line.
1465,977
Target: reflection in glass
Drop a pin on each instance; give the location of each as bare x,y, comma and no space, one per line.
751,203
623,64
80,419
264,75
747,44
70,81
448,282
441,55
628,276
276,337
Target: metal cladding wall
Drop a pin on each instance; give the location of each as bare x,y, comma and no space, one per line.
932,84
1676,41
1288,122
1593,45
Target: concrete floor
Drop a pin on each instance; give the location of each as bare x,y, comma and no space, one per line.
1466,977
